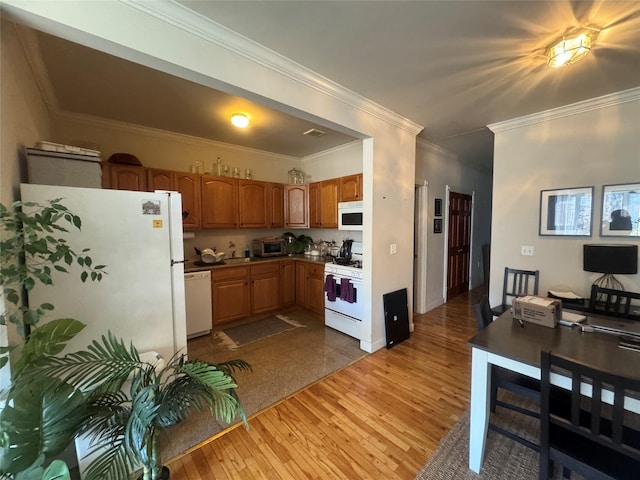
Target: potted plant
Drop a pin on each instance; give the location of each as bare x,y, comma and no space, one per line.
52,399
39,418
125,425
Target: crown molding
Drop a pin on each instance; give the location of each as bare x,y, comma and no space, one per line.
597,103
192,22
104,123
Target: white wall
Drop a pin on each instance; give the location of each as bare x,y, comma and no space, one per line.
170,38
440,168
591,143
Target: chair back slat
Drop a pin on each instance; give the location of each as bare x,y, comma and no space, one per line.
519,282
616,303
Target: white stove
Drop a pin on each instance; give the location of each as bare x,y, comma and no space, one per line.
342,297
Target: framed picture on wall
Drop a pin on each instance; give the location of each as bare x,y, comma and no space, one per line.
437,211
566,212
437,225
620,213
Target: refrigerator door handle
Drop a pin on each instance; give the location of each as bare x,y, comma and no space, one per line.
175,262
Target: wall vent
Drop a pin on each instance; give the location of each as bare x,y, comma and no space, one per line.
314,132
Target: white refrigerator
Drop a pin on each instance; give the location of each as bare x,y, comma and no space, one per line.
138,236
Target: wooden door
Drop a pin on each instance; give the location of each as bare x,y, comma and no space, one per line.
315,205
287,282
252,203
351,188
296,205
230,294
126,177
188,184
265,287
459,248
329,192
302,284
315,275
275,207
159,179
219,202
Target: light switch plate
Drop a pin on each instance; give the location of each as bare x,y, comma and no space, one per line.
526,250
393,249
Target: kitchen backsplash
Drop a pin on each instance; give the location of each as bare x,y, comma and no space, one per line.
229,241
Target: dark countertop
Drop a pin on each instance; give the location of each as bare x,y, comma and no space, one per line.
191,266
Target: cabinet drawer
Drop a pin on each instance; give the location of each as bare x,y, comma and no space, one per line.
228,273
315,269
265,268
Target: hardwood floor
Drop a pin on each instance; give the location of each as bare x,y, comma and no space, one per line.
380,418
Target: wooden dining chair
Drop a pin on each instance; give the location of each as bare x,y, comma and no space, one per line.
614,303
516,283
590,437
507,380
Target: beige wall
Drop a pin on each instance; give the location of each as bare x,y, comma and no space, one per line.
593,143
23,115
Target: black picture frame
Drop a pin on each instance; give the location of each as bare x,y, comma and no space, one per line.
437,225
619,202
566,212
437,211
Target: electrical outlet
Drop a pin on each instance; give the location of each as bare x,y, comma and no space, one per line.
526,250
393,249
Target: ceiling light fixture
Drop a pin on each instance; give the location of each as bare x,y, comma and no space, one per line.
240,120
569,49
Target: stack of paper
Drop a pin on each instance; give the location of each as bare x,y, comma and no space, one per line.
569,319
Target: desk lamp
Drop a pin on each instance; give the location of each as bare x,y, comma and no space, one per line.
610,259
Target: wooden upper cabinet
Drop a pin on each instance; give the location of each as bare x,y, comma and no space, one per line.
323,203
188,184
296,205
159,179
351,188
127,177
329,193
252,203
275,205
219,202
315,205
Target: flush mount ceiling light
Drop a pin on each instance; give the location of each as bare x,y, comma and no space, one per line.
240,120
569,49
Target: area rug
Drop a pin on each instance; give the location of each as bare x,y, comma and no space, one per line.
282,363
504,459
235,337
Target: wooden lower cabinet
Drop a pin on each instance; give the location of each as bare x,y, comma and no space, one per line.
310,286
315,272
238,292
230,294
265,287
287,283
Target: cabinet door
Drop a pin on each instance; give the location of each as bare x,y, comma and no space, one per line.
302,284
230,294
126,177
252,202
315,205
315,273
159,179
351,188
275,205
287,283
329,190
265,287
188,184
296,205
219,202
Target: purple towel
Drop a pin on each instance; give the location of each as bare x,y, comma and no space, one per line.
330,288
347,291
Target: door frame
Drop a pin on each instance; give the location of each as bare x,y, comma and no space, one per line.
445,229
420,247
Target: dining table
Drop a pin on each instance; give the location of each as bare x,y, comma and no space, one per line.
516,345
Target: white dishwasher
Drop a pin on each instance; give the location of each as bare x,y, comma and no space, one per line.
197,296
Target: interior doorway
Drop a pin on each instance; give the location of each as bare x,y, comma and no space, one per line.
458,243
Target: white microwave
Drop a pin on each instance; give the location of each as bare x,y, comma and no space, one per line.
350,215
